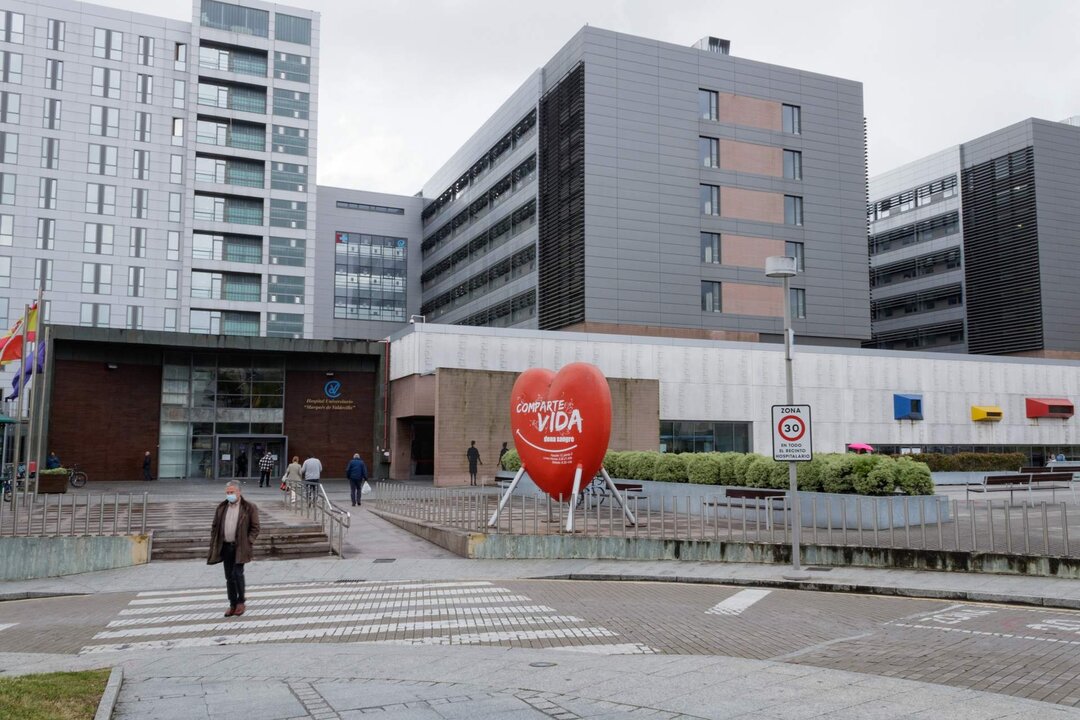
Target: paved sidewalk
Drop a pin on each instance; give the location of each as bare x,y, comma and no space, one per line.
467,683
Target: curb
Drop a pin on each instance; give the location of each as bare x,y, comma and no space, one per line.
112,694
839,587
35,595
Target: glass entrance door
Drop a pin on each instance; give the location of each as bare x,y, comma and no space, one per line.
237,456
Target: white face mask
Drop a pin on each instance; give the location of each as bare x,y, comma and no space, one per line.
231,498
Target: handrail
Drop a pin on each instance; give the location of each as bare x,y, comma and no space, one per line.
334,520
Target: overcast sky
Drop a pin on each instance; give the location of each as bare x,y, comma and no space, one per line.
404,84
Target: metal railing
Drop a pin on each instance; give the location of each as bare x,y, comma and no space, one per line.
909,522
312,502
51,515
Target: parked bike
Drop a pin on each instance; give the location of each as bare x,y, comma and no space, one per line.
76,477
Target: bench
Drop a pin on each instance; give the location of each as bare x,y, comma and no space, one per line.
1022,481
764,499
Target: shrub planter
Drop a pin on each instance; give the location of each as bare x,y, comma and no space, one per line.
821,509
52,483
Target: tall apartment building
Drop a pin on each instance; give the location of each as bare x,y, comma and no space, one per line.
974,249
159,174
636,186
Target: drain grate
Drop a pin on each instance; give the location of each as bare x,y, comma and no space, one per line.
384,560
818,569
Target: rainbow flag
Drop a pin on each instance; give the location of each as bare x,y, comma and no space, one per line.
11,343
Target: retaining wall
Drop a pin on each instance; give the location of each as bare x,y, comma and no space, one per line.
26,558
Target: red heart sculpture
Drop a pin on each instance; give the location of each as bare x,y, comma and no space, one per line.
561,420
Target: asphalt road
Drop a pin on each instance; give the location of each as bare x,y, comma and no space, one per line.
1018,651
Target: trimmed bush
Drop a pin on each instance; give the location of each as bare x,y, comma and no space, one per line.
703,468
971,462
670,467
810,474
764,472
913,477
727,473
742,464
642,465
836,476
880,480
511,461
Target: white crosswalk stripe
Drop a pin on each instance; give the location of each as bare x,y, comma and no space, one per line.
738,602
403,613
5,626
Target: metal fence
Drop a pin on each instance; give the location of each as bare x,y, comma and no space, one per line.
83,514
312,502
909,522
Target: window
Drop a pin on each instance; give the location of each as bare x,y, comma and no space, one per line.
792,119
176,169
9,147
235,18
287,176
709,152
286,289
55,38
288,251
96,279
798,303
710,297
51,114
290,140
292,29
104,121
289,103
171,284
231,248
172,248
10,107
177,131
12,26
179,93
54,74
146,50
94,315
5,271
134,316
102,160
105,82
214,208
144,89
98,238
136,281
389,210
7,231
42,274
47,193
108,44
793,210
7,189
290,325
140,164
140,203
180,56
296,68
170,319
710,247
175,207
100,199
795,250
137,246
288,214
708,104
243,61
142,126
710,200
46,233
793,165
11,67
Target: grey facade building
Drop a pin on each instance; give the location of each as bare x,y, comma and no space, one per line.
159,174
636,186
974,248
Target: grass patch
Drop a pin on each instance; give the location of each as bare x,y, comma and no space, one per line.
53,696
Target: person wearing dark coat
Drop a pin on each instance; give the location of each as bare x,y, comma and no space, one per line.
146,462
356,471
232,537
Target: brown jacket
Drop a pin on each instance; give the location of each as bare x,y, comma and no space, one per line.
247,529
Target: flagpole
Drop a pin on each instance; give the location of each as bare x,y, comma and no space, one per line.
38,398
32,414
18,434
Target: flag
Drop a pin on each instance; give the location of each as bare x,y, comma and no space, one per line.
26,371
11,344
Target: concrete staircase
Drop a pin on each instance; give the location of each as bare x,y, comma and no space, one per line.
182,532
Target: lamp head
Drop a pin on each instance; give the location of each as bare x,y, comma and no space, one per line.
780,266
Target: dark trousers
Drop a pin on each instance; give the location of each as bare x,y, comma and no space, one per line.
146,473
311,490
355,487
472,474
264,477
234,574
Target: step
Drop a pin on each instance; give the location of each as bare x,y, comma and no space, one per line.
276,552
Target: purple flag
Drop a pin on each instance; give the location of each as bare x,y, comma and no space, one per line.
25,371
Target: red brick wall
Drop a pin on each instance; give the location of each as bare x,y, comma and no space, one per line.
319,425
103,419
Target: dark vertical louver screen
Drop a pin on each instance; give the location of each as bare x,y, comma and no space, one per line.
1001,256
561,244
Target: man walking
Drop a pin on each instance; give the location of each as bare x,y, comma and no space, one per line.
312,472
474,457
502,451
146,462
356,471
266,466
232,536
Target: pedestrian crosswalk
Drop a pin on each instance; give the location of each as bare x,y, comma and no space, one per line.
399,613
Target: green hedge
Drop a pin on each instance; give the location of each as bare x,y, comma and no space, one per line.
834,473
972,462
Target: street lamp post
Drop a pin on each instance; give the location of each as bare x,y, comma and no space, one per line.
786,268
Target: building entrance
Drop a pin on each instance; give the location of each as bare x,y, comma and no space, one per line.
236,457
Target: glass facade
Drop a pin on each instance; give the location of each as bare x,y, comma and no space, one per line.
689,436
207,395
369,277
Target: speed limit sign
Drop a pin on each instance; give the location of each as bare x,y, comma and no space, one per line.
791,433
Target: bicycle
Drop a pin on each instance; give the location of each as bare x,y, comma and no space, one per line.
596,490
76,477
